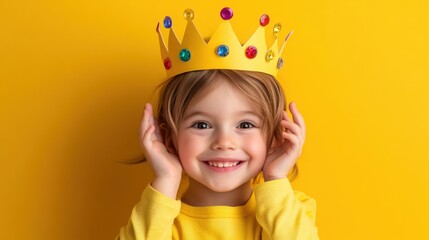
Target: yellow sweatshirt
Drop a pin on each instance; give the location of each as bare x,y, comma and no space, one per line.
274,211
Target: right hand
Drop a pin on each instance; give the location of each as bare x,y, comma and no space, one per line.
166,166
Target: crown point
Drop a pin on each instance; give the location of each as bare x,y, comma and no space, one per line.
251,52
185,55
168,22
167,63
157,28
226,13
269,55
264,20
222,51
277,28
188,14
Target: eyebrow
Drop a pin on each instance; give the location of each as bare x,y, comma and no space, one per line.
196,113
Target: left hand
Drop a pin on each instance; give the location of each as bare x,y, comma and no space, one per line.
281,158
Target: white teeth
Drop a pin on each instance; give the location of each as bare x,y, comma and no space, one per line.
223,164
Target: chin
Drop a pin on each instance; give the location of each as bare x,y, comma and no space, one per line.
226,187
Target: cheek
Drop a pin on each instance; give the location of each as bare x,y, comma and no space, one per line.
256,146
187,147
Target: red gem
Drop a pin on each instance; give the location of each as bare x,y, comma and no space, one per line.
167,63
264,20
251,52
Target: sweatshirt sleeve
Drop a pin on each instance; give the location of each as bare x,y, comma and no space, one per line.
284,214
151,217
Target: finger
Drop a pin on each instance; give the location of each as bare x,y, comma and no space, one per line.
150,111
158,131
285,116
291,138
147,141
145,121
149,106
292,128
297,117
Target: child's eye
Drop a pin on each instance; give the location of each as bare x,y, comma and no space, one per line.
246,125
201,125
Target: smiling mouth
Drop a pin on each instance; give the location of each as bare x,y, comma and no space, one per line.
223,164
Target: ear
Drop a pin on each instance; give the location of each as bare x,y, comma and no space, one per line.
274,145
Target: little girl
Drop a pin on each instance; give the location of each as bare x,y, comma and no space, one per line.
226,132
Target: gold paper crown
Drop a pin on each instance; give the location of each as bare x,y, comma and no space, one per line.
222,50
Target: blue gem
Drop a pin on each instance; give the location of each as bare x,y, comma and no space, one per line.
168,22
185,55
222,51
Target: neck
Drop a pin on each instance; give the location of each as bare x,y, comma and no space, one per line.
199,195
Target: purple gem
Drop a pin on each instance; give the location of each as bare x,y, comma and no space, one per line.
226,13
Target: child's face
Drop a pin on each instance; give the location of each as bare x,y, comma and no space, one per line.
220,141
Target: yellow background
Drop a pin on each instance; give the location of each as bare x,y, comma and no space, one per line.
74,77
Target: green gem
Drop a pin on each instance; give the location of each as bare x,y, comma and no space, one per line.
185,55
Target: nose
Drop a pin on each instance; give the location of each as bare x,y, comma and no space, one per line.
224,140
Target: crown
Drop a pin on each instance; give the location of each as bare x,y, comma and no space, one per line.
222,50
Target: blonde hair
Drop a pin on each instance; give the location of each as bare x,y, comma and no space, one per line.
263,91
